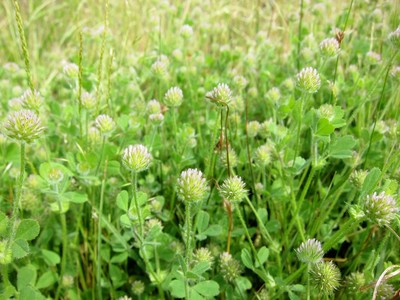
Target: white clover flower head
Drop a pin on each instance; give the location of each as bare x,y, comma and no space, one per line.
186,31
159,68
274,94
32,100
252,128
156,119
173,97
136,158
308,80
263,155
105,124
233,189
380,208
374,57
23,125
230,267
325,276
329,47
221,94
240,81
137,287
88,101
191,186
310,252
153,107
71,70
394,37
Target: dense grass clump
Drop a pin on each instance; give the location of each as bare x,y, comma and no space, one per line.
199,149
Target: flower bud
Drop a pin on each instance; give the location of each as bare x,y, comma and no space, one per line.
310,252
233,189
326,277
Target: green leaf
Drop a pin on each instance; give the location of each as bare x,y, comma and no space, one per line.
213,230
30,293
26,276
123,201
74,197
3,224
342,147
208,288
202,220
262,255
51,258
119,258
243,283
113,168
46,280
246,258
370,182
142,198
20,248
177,288
263,214
27,230
201,267
118,277
324,127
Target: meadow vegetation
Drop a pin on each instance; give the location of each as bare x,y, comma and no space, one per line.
199,149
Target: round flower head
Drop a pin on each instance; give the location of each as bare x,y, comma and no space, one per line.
136,158
263,155
252,128
233,189
326,277
88,101
394,37
240,81
71,70
274,94
192,186
23,125
354,282
203,255
308,80
105,124
153,107
32,100
186,31
329,47
159,68
137,287
221,95
310,252
230,267
173,97
380,209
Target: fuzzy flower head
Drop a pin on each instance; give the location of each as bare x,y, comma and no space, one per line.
159,68
329,47
136,158
221,94
153,107
394,38
137,287
173,97
240,81
88,101
308,80
354,282
233,189
186,31
310,252
105,124
203,255
23,125
230,267
263,155
326,277
252,128
32,100
380,209
192,186
71,70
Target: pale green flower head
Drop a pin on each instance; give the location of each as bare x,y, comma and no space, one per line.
23,125
136,158
233,189
308,80
326,277
220,95
105,124
380,209
329,47
310,252
192,186
173,97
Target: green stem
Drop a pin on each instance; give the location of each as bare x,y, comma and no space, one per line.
350,225
188,246
64,242
264,231
227,141
299,33
101,153
136,203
